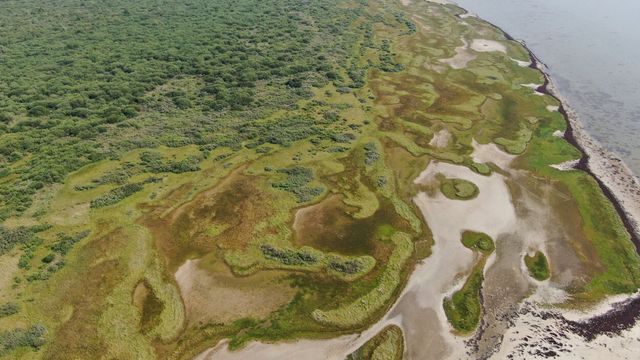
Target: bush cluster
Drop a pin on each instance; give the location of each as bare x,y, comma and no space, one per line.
287,256
33,337
115,195
371,154
20,235
347,267
8,309
296,182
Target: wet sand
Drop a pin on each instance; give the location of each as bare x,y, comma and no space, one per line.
419,310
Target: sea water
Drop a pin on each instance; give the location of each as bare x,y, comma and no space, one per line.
592,51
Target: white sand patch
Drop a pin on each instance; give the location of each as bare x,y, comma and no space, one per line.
461,58
566,166
534,87
468,15
553,108
484,45
441,139
558,133
484,153
406,2
521,63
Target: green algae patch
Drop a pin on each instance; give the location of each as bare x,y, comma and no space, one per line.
388,344
458,189
478,241
481,168
464,308
538,266
359,311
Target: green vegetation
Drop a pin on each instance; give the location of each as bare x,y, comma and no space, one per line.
458,189
275,143
112,82
65,242
371,154
304,259
464,308
538,266
18,236
297,181
115,195
9,309
33,337
360,310
478,241
386,345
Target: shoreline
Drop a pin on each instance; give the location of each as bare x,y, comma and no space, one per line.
614,177
616,181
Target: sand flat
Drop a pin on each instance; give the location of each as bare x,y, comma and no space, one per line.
484,45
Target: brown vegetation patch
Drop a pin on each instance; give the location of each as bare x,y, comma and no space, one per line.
214,295
234,207
149,305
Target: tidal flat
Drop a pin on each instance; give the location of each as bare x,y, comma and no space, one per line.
322,209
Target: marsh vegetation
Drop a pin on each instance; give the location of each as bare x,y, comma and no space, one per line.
156,155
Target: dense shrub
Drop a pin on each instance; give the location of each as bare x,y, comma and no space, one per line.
20,235
347,267
287,256
9,309
65,242
296,182
371,154
80,86
115,195
33,337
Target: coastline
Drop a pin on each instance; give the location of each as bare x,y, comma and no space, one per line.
614,177
617,182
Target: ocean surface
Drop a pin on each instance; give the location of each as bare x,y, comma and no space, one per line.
592,50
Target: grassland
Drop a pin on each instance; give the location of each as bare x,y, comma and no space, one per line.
273,142
458,189
538,266
386,345
464,307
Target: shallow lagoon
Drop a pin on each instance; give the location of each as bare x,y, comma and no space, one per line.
592,50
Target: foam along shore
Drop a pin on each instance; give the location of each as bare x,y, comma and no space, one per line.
534,87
